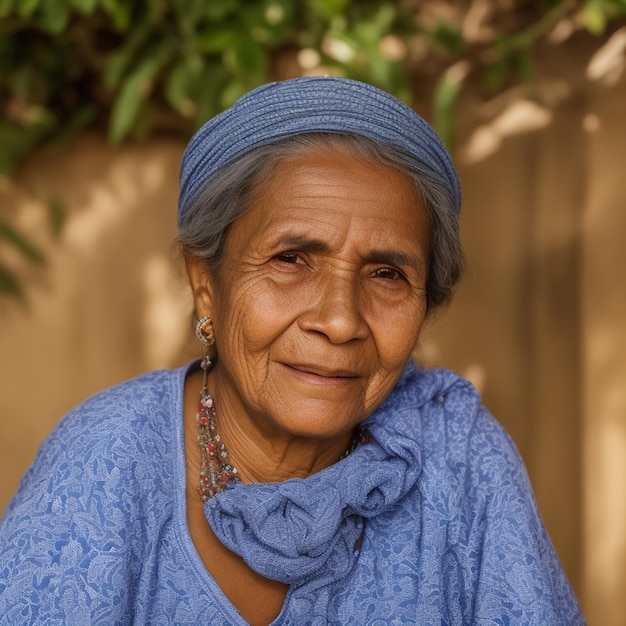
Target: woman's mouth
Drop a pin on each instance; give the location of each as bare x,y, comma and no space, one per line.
320,374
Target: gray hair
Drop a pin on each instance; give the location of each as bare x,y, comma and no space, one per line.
228,195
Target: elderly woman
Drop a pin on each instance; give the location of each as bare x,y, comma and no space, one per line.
304,470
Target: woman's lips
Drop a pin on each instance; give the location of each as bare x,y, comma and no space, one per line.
322,375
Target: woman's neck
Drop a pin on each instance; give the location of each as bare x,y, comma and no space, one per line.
262,458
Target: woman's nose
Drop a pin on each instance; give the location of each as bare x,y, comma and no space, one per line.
336,312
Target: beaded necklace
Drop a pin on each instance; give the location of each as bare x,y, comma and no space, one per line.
216,471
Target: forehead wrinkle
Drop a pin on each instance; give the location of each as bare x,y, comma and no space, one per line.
311,230
289,236
317,182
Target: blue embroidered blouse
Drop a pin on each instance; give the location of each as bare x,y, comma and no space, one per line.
433,522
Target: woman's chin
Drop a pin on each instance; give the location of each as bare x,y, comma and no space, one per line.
315,419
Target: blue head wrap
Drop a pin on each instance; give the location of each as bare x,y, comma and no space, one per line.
283,109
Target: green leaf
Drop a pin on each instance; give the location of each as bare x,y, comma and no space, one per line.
181,84
495,74
142,126
448,37
79,120
7,54
377,24
54,16
130,101
8,283
385,17
192,10
216,11
328,9
444,99
117,65
5,8
210,87
86,7
119,62
8,233
26,8
120,11
17,141
232,91
216,38
523,64
56,217
594,17
247,60
135,91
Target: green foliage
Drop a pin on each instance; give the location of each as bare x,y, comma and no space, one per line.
596,14
56,217
68,64
9,283
10,237
9,234
131,67
445,97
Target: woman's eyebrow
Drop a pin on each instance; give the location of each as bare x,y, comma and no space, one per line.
305,244
386,257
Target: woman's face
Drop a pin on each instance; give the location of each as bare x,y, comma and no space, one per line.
320,297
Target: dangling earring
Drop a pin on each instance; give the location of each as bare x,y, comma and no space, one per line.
207,338
215,468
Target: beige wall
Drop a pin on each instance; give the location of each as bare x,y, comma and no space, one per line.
603,372
538,323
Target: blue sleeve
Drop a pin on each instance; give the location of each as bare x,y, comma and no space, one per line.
518,577
65,550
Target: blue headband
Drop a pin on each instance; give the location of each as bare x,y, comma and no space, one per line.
279,110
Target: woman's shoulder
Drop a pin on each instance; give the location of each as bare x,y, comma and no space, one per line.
92,504
111,442
456,430
474,483
140,407
133,396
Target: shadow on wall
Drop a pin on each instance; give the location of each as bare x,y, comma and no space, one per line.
109,304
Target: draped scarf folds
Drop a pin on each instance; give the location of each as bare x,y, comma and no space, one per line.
304,529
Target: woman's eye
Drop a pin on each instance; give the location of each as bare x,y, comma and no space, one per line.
288,257
387,273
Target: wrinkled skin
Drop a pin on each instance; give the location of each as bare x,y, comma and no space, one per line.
316,308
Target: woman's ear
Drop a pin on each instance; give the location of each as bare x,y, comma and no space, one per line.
201,282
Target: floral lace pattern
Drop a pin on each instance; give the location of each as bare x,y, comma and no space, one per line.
432,523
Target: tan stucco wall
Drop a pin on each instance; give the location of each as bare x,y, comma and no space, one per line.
603,377
538,323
